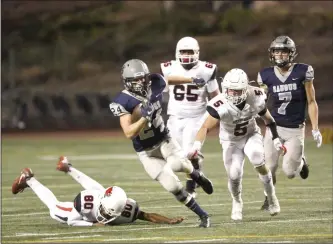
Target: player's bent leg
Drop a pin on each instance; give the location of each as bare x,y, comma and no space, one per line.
43,193
292,161
172,184
176,160
27,179
84,180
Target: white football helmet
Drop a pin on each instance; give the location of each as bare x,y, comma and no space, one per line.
187,43
234,86
112,204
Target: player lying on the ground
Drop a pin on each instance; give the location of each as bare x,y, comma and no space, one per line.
95,206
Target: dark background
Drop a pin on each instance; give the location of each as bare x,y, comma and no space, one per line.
61,60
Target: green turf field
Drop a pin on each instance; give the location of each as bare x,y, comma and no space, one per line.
306,205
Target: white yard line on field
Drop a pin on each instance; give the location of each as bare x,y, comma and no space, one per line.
196,241
177,206
129,229
70,237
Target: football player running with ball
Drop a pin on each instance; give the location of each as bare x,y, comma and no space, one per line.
235,109
94,206
290,92
187,102
139,109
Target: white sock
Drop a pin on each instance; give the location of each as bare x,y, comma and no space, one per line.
268,183
44,194
84,180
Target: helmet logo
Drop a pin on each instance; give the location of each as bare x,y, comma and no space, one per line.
108,192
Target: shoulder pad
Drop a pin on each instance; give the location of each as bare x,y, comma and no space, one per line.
124,104
264,74
308,70
258,97
207,69
217,104
117,109
166,68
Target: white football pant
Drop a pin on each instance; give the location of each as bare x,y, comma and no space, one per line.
293,140
163,160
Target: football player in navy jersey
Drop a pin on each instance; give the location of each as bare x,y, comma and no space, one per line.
139,109
290,91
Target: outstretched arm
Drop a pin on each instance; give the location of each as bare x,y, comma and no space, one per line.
159,219
178,80
209,123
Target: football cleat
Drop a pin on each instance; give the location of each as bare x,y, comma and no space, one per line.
237,209
63,164
205,183
304,173
20,183
274,206
204,221
265,205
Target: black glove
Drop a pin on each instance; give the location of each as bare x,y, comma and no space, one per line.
199,82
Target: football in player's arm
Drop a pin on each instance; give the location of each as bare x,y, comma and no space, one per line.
139,108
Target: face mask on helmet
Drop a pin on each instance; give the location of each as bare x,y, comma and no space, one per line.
282,51
234,86
139,85
235,96
187,51
112,204
186,57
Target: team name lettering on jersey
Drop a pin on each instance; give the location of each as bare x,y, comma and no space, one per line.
285,87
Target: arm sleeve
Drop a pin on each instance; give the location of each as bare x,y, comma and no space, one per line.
212,112
309,75
259,80
212,84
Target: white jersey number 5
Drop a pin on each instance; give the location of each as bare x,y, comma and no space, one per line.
286,97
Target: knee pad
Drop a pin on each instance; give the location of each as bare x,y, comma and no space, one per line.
257,158
288,171
169,180
235,173
179,164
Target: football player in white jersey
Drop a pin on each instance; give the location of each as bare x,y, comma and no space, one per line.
94,206
187,102
236,108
